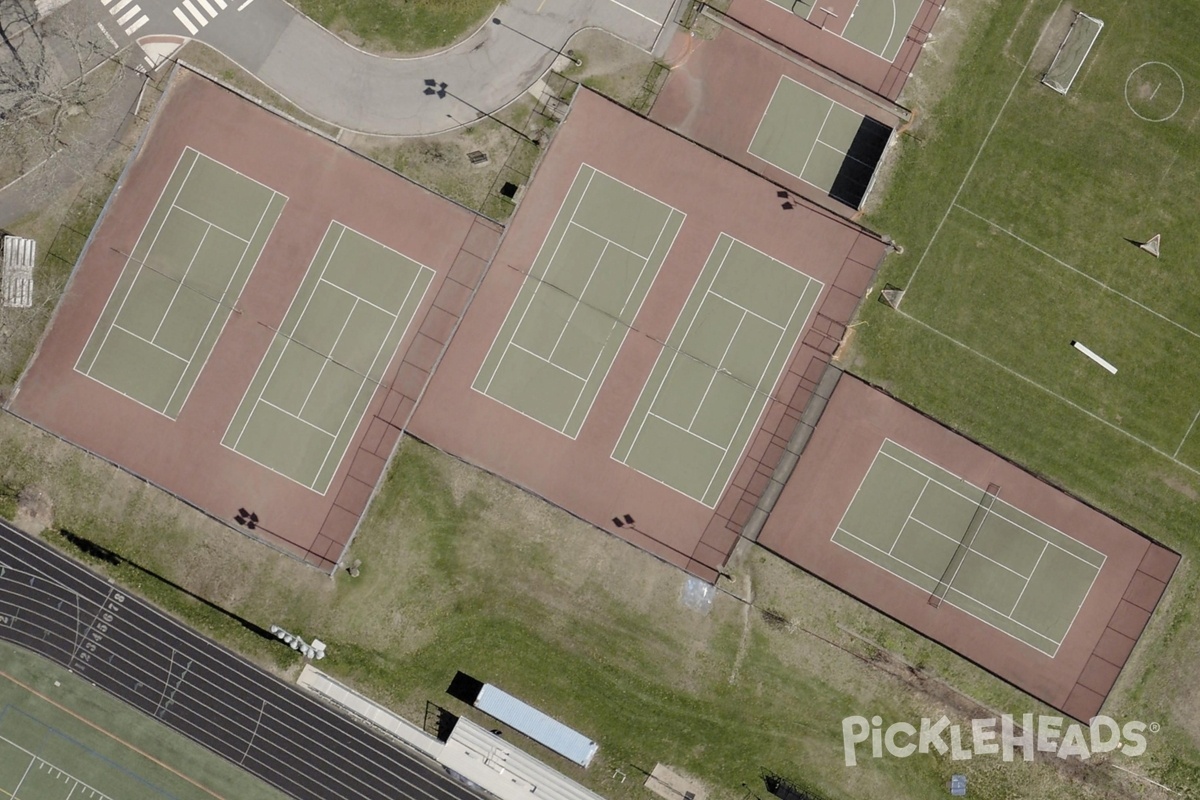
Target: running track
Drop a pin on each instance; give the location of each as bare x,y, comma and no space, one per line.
61,610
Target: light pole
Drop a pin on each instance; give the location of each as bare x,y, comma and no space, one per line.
569,54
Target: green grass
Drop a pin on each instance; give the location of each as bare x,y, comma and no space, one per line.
1034,254
462,571
399,26
982,341
53,715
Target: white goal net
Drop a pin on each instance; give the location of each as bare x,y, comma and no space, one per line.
1073,52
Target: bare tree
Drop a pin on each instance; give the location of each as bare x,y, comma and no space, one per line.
53,73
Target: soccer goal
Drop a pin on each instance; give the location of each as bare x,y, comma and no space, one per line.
1073,52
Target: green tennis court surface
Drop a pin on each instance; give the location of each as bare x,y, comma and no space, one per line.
819,141
713,378
878,26
1016,573
180,283
583,291
331,351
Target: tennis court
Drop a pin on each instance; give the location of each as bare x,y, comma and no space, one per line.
878,26
968,548
313,386
714,377
579,299
820,141
180,283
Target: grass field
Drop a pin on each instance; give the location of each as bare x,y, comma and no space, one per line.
463,571
399,27
61,738
1018,245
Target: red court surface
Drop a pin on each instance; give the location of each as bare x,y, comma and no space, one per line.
323,182
819,38
718,92
717,197
1124,594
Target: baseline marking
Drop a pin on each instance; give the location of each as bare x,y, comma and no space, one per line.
1000,614
1015,524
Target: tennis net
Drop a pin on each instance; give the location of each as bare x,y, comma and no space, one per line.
964,544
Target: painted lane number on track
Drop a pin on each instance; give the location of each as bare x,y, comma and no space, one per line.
99,628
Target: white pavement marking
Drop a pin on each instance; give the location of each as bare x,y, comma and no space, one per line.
111,41
129,32
195,12
117,8
633,11
187,23
212,12
128,15
243,5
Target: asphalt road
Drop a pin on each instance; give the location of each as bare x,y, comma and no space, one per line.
358,91
56,607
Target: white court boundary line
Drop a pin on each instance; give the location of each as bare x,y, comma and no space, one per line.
816,141
364,380
757,390
541,279
908,517
197,155
217,306
112,292
891,33
895,20
651,20
947,599
973,500
931,479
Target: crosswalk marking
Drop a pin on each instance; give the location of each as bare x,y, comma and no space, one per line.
195,12
187,23
127,16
